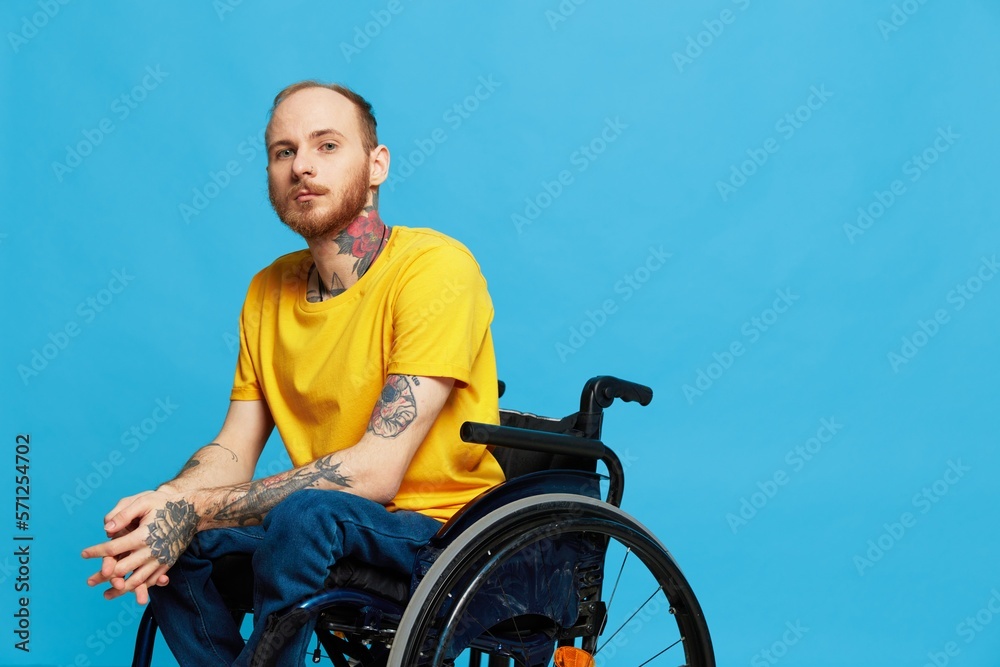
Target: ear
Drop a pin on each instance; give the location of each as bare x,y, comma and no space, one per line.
378,166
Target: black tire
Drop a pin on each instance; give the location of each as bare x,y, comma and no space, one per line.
426,628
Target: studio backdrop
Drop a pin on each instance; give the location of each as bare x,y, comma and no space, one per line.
781,216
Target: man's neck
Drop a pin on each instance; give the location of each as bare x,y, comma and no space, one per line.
341,259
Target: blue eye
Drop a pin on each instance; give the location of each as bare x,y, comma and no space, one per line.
284,152
329,146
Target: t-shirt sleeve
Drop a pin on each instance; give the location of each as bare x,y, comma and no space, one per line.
246,385
441,316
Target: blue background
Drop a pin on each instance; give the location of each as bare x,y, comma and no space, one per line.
694,94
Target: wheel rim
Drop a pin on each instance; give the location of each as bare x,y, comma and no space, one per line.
634,612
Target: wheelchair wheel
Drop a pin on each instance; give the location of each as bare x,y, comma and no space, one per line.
643,611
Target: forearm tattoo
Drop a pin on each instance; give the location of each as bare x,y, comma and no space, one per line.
194,461
231,452
248,503
395,409
171,531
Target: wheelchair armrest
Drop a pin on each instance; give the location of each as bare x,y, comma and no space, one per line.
551,443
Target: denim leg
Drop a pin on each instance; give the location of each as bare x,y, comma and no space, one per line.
195,622
308,532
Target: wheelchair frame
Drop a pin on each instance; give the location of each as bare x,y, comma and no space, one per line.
548,506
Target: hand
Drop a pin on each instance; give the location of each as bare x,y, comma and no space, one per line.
117,588
148,532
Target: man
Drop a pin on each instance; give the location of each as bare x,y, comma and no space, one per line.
367,351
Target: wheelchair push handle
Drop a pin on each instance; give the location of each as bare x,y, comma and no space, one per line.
600,392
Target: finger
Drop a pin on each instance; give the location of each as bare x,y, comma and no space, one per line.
141,574
124,530
127,565
123,503
108,566
96,578
137,560
141,594
113,593
105,573
159,576
118,587
115,547
151,580
124,517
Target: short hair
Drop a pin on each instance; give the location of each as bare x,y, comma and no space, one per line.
369,135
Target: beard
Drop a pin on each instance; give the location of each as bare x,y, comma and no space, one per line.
308,219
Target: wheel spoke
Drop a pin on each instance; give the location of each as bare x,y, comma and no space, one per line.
661,652
620,627
486,631
506,599
617,579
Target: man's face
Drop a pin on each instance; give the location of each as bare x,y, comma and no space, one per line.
318,173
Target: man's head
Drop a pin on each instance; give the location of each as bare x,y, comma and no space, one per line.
324,162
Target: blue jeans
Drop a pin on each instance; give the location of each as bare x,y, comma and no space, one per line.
292,553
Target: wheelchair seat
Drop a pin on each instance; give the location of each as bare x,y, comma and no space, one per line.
518,572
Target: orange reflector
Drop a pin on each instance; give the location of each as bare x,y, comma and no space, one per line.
567,656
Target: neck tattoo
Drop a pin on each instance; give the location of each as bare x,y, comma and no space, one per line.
322,293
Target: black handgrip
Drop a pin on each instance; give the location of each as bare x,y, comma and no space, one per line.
600,392
536,441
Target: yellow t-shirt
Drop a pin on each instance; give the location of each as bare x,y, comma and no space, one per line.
421,309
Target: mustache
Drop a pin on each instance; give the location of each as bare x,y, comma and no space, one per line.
315,188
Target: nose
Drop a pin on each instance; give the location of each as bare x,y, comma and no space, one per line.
303,167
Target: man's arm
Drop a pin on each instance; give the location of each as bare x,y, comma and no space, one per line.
372,468
229,459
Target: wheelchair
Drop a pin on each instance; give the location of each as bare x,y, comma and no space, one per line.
536,569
